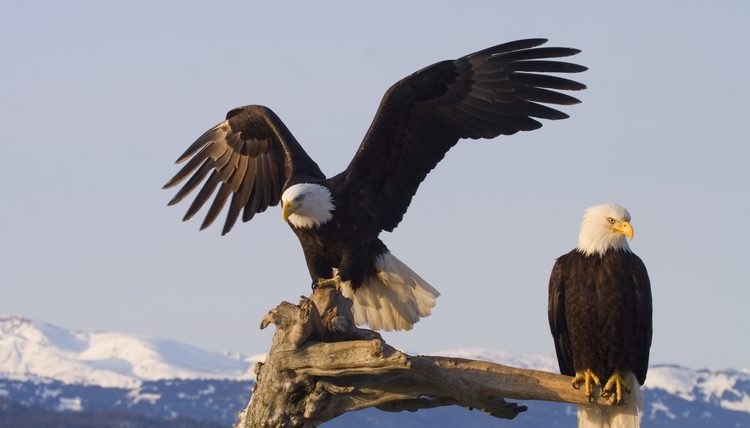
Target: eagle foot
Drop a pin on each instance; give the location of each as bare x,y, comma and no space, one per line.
588,379
334,282
613,388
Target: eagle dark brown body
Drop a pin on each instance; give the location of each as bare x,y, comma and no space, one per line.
600,313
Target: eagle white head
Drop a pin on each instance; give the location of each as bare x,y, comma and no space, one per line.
604,227
307,205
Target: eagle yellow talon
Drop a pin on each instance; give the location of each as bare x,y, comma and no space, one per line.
615,384
588,379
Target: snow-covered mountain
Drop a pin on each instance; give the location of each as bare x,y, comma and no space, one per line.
62,370
31,350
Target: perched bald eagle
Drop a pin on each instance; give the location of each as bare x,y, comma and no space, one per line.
600,316
252,157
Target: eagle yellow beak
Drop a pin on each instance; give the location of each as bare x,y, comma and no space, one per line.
625,228
286,210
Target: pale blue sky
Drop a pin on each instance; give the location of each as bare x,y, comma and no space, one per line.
97,99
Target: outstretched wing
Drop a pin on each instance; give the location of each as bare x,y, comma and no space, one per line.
557,324
488,93
250,156
643,317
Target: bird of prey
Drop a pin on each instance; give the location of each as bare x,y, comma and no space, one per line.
600,316
253,157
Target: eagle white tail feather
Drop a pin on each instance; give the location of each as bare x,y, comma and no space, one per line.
394,299
624,416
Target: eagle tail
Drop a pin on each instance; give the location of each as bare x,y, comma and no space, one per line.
393,299
623,416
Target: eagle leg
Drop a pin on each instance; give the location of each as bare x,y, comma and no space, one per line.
334,282
615,384
588,379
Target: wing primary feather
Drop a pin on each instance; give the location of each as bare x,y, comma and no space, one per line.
204,139
235,185
202,196
494,87
499,76
510,46
546,66
541,111
230,165
194,181
216,205
190,166
471,125
239,173
485,94
536,53
240,197
503,108
545,96
223,160
186,170
546,81
252,206
521,123
253,201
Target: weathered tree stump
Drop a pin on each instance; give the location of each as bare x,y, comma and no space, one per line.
321,366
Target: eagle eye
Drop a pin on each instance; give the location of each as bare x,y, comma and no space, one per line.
299,198
611,220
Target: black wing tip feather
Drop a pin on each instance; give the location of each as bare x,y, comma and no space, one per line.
515,45
545,66
530,45
199,143
548,81
577,68
520,44
558,52
173,181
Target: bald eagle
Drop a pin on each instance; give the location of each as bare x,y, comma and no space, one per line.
252,157
600,316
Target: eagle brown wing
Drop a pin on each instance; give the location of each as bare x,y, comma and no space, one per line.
643,316
557,323
496,91
249,156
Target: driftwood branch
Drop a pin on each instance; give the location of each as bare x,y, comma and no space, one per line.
321,366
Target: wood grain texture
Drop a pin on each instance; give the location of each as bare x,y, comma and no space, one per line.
320,367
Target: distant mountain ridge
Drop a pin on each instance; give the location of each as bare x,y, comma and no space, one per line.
62,370
31,350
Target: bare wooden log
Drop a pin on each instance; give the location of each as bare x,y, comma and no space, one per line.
321,366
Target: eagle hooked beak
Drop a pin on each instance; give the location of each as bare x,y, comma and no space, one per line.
625,228
286,210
